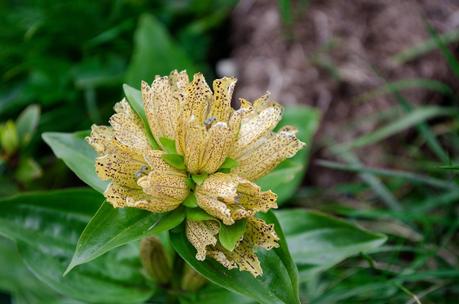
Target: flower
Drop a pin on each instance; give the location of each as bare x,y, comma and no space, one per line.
208,158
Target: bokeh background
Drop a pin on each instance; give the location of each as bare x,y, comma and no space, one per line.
382,73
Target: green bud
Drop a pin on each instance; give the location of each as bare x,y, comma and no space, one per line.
154,260
191,280
9,138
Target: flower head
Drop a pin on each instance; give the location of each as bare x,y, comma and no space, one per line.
209,157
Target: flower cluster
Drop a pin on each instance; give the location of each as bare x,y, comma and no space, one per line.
195,150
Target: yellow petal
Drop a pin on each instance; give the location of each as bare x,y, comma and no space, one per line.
121,196
158,165
128,127
258,233
123,167
220,108
268,152
219,140
195,144
164,186
197,99
255,124
201,235
215,208
101,138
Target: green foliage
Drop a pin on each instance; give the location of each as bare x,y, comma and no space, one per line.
230,235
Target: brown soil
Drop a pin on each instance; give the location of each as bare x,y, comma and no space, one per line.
356,38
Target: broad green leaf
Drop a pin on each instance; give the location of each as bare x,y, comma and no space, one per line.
212,294
318,241
199,178
46,226
155,52
229,163
286,178
134,98
190,201
111,227
197,214
278,284
78,155
168,145
175,160
230,235
27,122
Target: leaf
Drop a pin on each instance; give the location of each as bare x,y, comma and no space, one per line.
111,227
318,241
27,170
46,226
155,53
168,145
199,178
229,163
27,122
211,294
175,160
278,284
134,98
197,214
190,201
230,235
78,155
285,179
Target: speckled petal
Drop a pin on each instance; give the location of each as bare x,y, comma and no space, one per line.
201,235
258,233
101,138
219,140
158,184
215,208
268,152
195,144
220,108
128,127
120,196
256,123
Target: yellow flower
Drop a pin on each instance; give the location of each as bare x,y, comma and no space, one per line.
207,133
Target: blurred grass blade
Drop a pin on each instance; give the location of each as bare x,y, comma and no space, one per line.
446,53
417,178
411,119
425,47
404,84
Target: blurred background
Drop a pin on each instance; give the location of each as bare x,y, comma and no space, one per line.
382,73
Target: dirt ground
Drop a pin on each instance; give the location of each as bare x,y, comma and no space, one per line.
334,51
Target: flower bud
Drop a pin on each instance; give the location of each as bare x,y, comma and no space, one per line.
9,138
191,280
154,260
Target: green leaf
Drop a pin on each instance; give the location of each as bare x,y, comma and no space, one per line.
134,98
318,241
168,145
197,214
175,160
111,227
190,201
211,294
230,235
285,179
78,155
27,170
278,284
229,163
155,52
27,122
46,226
199,178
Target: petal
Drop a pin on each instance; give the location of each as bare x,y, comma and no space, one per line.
258,233
256,123
101,138
220,185
215,208
158,165
220,108
123,166
195,144
202,234
120,196
268,152
164,186
128,127
218,144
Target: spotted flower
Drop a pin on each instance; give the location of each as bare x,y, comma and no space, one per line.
206,157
